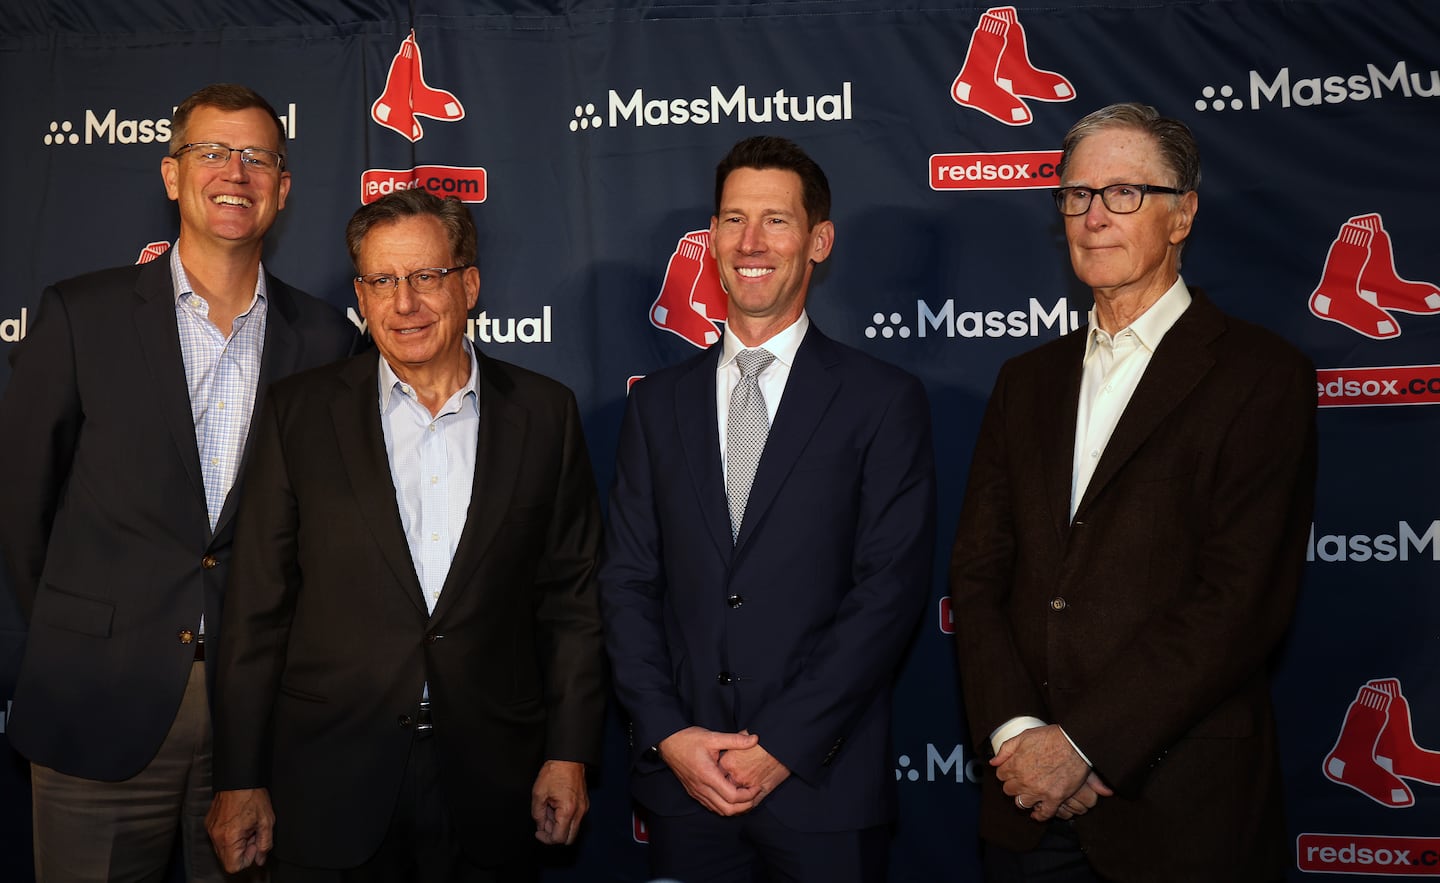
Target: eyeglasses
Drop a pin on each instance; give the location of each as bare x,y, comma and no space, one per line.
1120,199
422,281
217,156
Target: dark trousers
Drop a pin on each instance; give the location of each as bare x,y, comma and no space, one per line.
757,848
421,845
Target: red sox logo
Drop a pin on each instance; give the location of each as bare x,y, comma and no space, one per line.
152,251
997,73
691,300
407,96
1360,287
1376,752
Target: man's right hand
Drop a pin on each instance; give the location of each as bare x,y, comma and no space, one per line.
693,754
241,825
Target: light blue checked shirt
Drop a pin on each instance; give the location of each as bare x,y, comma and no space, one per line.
432,463
222,372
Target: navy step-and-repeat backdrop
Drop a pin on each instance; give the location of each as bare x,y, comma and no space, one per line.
583,135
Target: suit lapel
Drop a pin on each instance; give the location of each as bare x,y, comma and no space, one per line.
159,338
698,426
355,411
279,357
1179,363
807,396
500,448
1058,407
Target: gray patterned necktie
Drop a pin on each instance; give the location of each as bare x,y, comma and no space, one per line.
745,433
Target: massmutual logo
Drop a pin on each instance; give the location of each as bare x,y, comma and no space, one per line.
1287,88
940,764
486,328
727,103
110,127
949,321
13,328
1406,542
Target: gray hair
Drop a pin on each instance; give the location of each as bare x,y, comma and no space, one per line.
1178,150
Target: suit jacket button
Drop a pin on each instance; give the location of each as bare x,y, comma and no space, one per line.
404,720
209,561
1058,604
186,636
725,678
432,638
735,600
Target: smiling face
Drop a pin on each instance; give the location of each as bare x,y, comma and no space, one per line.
416,332
1134,255
233,205
765,250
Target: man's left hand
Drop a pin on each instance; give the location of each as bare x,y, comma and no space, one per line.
754,768
559,801
1041,769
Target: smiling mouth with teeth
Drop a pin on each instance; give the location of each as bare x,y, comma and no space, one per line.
753,272
226,199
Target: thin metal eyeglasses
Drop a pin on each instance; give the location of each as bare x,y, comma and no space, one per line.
217,156
1120,199
422,281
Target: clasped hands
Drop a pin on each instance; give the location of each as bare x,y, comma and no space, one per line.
1046,776
728,773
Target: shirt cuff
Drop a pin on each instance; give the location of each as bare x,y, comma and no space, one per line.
1017,725
1012,728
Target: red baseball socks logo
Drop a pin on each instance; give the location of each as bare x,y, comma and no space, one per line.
407,96
691,300
997,72
1360,288
1376,749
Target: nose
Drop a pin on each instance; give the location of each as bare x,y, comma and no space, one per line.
405,298
235,169
1097,217
752,239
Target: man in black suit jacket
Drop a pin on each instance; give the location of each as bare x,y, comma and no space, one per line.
410,683
124,426
1130,550
755,625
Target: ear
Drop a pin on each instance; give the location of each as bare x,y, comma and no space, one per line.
822,239
170,174
472,286
359,296
284,189
714,225
1183,217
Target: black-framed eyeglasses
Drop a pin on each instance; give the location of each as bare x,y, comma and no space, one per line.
422,281
216,156
1120,199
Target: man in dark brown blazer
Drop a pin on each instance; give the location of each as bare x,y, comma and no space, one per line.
1130,550
411,682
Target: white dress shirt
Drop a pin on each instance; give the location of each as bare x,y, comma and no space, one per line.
432,463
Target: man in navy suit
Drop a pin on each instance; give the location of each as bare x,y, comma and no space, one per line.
125,426
767,557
